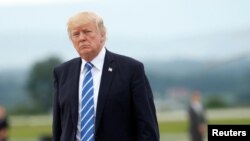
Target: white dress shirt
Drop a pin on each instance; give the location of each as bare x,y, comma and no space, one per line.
96,71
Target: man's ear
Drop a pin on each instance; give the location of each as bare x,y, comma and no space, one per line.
103,37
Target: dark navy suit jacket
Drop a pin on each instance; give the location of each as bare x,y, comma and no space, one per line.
125,108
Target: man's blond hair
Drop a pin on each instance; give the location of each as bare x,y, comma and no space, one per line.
86,17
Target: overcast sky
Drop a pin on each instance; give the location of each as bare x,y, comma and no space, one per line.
31,30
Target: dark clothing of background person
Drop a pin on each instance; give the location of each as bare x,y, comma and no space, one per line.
197,121
3,125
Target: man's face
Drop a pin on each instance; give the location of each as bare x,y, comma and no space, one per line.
87,40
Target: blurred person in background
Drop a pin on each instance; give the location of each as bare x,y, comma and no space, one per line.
101,96
3,124
197,118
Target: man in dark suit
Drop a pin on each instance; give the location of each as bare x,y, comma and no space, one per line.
197,118
120,100
3,124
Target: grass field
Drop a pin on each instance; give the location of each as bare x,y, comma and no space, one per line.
30,128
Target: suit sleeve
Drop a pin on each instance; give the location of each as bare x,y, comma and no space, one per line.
144,108
56,128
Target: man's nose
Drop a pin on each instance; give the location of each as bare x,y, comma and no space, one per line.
82,36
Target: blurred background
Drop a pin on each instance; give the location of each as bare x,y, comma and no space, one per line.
185,45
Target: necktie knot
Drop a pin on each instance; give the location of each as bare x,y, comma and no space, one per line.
89,66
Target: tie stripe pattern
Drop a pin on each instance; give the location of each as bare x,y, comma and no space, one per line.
87,106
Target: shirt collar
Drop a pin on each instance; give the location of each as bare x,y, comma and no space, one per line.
97,62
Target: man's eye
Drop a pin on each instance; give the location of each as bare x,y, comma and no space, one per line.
87,31
75,34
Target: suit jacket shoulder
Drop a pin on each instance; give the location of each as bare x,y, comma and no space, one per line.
124,60
68,64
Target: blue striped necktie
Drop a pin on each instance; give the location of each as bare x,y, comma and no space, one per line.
87,106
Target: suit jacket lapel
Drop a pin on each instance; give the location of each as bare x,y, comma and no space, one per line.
106,80
75,72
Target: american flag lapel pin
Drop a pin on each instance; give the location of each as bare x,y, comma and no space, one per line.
110,69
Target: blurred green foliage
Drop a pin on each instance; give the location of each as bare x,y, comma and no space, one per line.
216,102
40,85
